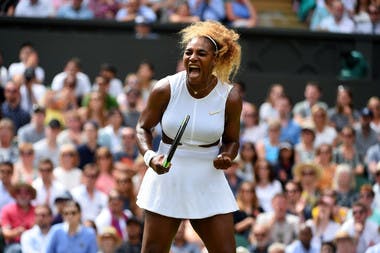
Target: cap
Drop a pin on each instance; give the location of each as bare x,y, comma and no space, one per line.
365,112
285,145
308,126
37,108
63,196
141,20
54,123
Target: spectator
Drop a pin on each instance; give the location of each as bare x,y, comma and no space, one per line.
374,105
249,208
17,217
266,184
374,14
323,226
290,130
208,10
284,166
35,130
28,57
269,147
103,9
143,29
308,174
8,8
252,130
344,185
59,204
241,13
364,231
181,244
361,17
181,14
110,135
260,238
103,85
109,240
8,147
6,173
95,110
233,176
277,248
295,204
114,215
302,109
104,161
145,76
35,239
324,158
32,92
348,153
321,11
73,67
283,226
73,132
25,170
345,243
48,188
338,22
91,200
132,107
365,135
34,8
129,145
367,196
305,149
132,9
303,244
86,151
11,107
67,172
344,113
247,158
324,133
135,231
61,235
48,146
75,10
109,72
267,109
3,71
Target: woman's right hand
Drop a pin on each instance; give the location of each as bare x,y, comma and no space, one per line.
157,164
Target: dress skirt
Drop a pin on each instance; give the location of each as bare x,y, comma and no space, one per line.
192,189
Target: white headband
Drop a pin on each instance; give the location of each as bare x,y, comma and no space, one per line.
213,42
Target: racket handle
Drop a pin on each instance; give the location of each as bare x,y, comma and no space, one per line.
166,164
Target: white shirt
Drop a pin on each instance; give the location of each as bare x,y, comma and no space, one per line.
104,219
91,207
18,68
265,194
3,76
42,150
369,236
43,8
83,85
55,190
115,89
5,197
254,134
327,235
345,25
69,179
38,91
33,240
374,249
328,136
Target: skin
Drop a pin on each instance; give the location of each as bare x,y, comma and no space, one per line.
199,60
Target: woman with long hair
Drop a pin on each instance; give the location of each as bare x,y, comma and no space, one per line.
103,159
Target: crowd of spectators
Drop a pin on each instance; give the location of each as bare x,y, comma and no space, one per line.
340,16
307,175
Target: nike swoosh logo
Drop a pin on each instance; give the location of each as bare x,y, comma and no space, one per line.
213,113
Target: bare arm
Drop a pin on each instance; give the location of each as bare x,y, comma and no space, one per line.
150,117
231,135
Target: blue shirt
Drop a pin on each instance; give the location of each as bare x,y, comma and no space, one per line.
212,10
291,132
84,241
19,116
67,11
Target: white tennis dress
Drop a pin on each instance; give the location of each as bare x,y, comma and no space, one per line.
193,188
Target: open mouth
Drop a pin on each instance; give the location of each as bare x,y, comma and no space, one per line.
194,71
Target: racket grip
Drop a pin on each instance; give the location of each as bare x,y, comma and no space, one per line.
166,164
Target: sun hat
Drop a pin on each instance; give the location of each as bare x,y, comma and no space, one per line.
108,232
298,168
20,185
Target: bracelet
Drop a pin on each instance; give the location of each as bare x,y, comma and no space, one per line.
149,154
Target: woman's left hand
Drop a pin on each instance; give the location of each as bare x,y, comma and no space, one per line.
222,161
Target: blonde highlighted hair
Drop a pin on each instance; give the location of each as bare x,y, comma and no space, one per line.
228,50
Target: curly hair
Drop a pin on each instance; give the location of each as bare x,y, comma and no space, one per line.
229,51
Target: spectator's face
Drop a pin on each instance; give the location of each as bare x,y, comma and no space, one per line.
24,53
305,236
337,10
43,217
292,192
312,94
261,236
345,246
12,93
46,172
90,176
359,214
6,173
71,68
90,131
23,196
279,205
71,215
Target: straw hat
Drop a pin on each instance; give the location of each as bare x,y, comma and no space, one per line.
298,168
341,234
20,185
108,232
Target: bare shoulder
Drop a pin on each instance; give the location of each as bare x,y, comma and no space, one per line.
234,100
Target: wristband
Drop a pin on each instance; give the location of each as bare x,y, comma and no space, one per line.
149,154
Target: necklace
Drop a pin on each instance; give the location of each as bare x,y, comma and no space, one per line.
195,92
